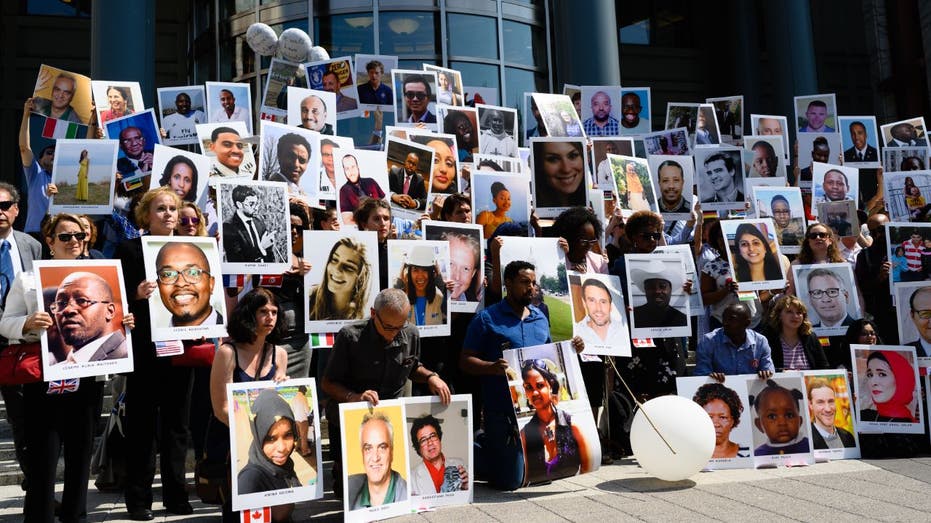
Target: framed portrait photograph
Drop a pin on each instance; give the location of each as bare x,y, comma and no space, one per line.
549,391
329,148
229,102
352,186
599,313
830,407
768,158
833,183
290,155
860,141
501,164
784,206
498,198
335,75
673,177
254,225
137,135
549,262
497,130
558,114
633,184
466,261
375,455
275,453
87,306
343,280
230,147
729,409
829,291
635,110
905,243
420,268
65,96
83,172
696,305
180,110
559,174
601,110
185,172
720,177
441,437
816,113
905,159
602,177
189,302
670,142
659,304
781,425
905,133
680,114
373,75
282,76
841,217
414,98
751,184
707,132
816,148
444,177
771,125
533,120
408,166
449,88
887,389
730,115
116,99
753,254
312,110
913,312
461,122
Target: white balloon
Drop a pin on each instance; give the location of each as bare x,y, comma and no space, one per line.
262,39
293,45
687,428
318,53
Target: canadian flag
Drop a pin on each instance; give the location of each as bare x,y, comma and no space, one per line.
261,515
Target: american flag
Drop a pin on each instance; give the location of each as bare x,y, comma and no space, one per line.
63,386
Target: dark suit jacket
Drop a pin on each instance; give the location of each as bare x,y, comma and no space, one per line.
417,190
818,443
29,251
918,348
918,143
112,349
238,244
850,155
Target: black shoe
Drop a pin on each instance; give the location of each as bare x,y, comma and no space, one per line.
141,514
183,508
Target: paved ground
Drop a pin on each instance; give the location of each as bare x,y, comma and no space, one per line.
889,490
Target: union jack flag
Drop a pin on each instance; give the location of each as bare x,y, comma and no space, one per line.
63,386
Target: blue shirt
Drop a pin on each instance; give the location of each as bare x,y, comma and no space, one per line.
717,353
496,329
36,181
610,128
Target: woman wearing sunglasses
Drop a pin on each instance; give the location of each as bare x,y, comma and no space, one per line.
191,221
54,419
819,246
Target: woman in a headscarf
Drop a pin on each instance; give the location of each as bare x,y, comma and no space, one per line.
274,439
890,385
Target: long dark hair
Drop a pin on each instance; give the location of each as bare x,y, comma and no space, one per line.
771,268
242,319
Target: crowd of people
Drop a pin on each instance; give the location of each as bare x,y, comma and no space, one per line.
170,406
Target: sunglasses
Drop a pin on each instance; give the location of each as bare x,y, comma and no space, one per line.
190,221
5,206
419,95
817,235
655,236
68,236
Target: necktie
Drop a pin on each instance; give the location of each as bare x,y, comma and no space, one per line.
255,237
860,156
407,183
6,270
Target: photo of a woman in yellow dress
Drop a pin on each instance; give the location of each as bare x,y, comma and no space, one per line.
82,193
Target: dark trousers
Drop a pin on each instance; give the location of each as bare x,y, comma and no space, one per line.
51,421
13,400
158,400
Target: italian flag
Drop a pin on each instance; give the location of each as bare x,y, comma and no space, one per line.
56,129
322,340
262,515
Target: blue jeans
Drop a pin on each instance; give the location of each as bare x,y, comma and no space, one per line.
499,457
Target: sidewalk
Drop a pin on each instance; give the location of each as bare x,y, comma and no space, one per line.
853,490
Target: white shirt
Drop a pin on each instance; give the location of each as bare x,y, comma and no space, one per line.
85,353
239,115
181,126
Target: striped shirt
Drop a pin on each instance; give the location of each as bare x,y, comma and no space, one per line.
913,255
793,357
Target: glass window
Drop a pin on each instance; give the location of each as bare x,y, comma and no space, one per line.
244,59
636,33
342,35
405,33
56,8
524,44
471,35
520,81
478,75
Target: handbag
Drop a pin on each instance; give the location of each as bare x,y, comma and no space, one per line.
21,364
196,355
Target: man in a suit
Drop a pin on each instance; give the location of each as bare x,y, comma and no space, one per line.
920,313
407,185
85,314
828,296
905,135
185,285
861,151
822,404
820,152
245,239
136,159
17,252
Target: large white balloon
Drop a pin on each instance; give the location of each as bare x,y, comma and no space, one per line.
262,39
687,428
318,53
293,45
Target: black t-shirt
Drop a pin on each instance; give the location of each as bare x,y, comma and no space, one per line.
361,361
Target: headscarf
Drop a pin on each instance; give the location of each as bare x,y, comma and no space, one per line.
268,409
897,406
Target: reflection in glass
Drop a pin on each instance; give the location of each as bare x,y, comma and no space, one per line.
404,33
345,34
520,81
523,44
472,36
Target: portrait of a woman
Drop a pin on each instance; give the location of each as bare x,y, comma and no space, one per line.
419,278
724,408
553,446
560,174
443,176
343,292
501,197
274,439
119,102
754,259
181,175
81,192
459,124
889,383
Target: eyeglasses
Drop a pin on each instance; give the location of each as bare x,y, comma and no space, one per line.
5,206
385,326
817,235
419,95
923,314
132,139
871,334
68,236
228,144
190,221
191,275
655,236
832,293
57,307
427,439
588,242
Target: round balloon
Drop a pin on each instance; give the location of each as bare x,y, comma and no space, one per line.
293,45
262,39
685,426
318,53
